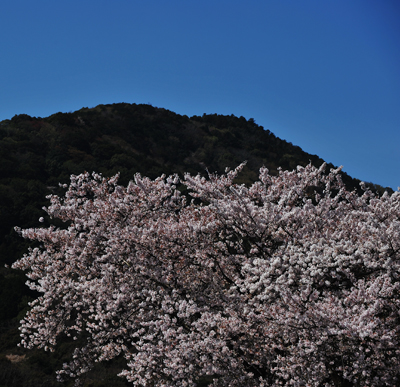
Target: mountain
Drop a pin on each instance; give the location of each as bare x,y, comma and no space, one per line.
36,154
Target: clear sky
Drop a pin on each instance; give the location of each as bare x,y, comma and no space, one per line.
322,74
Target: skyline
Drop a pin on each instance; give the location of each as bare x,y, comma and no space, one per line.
323,76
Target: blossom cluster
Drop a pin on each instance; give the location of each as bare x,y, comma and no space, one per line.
292,281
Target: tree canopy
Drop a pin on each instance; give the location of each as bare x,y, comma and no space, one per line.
292,280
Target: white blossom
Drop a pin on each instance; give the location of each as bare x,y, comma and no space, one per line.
292,281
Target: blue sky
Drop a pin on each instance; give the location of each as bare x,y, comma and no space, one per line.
323,74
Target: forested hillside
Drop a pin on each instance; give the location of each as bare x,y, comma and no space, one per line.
36,154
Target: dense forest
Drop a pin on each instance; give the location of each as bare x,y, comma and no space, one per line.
36,154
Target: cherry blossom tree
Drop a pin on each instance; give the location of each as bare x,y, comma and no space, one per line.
293,281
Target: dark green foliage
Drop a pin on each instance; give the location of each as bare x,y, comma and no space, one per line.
13,293
38,153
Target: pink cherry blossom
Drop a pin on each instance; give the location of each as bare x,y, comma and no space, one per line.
293,281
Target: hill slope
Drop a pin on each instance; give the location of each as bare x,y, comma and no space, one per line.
38,153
